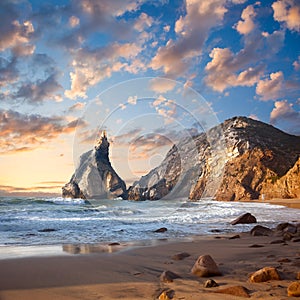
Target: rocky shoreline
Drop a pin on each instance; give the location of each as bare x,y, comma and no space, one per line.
260,264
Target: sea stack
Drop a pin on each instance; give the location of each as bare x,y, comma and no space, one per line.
95,178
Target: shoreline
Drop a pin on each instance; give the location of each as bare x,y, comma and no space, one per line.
134,273
290,203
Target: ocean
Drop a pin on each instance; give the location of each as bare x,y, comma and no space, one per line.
58,221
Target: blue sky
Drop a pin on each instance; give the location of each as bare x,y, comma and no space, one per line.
61,63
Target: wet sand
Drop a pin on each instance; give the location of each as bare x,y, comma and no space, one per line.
133,273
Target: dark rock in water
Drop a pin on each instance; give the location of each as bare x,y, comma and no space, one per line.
161,230
259,230
95,178
47,230
246,218
168,276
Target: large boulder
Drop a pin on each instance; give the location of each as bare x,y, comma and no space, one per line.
205,266
265,274
246,218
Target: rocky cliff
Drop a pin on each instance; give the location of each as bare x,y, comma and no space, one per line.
249,160
95,178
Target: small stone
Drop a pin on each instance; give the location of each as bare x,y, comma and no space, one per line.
210,283
47,230
293,289
168,276
256,246
234,237
259,230
167,295
114,244
298,276
287,236
238,291
180,256
161,230
281,226
296,240
265,274
205,266
246,218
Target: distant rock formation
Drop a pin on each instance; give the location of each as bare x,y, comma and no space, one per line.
260,161
95,178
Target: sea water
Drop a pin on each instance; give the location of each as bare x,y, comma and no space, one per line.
56,221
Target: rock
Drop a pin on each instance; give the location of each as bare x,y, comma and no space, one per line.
95,177
238,291
260,162
256,246
246,218
210,283
293,289
298,276
205,266
168,276
180,256
237,236
114,244
47,230
259,230
167,295
161,230
265,274
296,240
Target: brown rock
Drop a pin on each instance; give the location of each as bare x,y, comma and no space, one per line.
246,218
210,283
180,256
256,246
167,295
281,226
237,236
161,230
205,266
284,260
259,230
293,289
298,276
238,290
265,274
278,242
168,276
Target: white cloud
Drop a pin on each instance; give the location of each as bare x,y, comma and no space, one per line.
132,100
296,64
246,25
223,70
284,111
287,12
143,22
162,85
177,55
270,89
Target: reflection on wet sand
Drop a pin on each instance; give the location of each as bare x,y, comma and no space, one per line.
92,248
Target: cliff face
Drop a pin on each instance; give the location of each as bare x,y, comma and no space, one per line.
95,177
257,159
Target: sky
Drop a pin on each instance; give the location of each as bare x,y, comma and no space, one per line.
149,72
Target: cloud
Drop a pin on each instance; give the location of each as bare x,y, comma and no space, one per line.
162,86
224,70
296,64
20,132
270,89
8,71
143,22
176,56
74,21
132,100
287,12
246,25
283,112
15,35
77,106
92,66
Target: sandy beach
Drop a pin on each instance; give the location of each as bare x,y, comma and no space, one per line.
133,273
